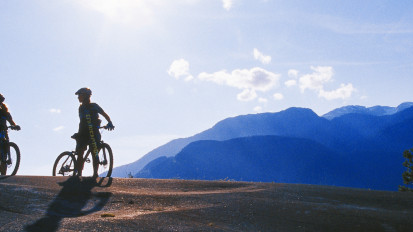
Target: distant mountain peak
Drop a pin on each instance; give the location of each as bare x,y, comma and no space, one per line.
374,110
404,106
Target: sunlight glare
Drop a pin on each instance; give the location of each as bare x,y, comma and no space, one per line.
122,11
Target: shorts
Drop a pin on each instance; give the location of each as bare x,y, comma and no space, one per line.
84,139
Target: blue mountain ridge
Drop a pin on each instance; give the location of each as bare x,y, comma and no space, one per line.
374,110
256,158
241,126
353,135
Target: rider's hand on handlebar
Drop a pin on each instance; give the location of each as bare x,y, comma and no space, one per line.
15,127
110,126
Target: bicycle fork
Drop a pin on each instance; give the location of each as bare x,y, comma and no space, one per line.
105,161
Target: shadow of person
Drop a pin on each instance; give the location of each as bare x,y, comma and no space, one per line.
73,201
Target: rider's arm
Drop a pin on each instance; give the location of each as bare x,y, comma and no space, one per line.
109,126
14,126
7,114
10,120
105,115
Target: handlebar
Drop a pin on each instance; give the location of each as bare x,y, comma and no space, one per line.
106,128
16,127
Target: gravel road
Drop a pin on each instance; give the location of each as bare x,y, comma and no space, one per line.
34,203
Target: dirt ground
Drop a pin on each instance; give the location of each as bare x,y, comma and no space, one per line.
32,203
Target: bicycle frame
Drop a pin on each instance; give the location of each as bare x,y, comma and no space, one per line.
92,150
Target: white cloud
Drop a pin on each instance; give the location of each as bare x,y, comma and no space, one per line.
261,57
258,109
180,68
290,83
59,128
55,111
278,96
227,4
256,78
247,95
250,81
343,92
262,100
292,73
316,80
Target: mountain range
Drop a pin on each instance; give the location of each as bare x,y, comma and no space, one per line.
351,146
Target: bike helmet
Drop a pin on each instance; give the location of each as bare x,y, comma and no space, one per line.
85,91
1,98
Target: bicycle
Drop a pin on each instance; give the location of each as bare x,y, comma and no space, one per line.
9,154
66,163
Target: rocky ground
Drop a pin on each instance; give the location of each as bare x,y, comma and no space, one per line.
31,203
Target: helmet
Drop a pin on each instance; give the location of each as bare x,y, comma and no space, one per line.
1,98
86,91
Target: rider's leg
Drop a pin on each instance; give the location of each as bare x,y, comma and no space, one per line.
3,158
81,146
95,157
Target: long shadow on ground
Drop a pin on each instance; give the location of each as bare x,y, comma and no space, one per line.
72,201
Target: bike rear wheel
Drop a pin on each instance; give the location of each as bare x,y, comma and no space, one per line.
10,162
65,165
104,163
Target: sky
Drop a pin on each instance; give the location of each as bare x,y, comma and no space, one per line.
167,69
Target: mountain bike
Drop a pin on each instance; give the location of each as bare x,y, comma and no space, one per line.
66,163
9,154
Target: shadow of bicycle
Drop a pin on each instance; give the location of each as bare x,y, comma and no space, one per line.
74,200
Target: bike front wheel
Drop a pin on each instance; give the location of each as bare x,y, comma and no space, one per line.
65,165
10,162
104,163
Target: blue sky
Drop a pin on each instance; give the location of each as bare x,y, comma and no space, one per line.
167,69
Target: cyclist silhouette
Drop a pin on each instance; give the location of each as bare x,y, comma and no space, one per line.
5,117
88,133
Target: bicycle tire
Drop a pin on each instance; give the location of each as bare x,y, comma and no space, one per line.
65,164
109,158
11,169
16,156
103,168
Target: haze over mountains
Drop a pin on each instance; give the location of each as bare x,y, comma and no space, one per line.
351,146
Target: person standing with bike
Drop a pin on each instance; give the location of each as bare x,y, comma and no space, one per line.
88,133
5,117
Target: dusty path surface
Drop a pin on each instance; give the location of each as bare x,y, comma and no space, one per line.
31,203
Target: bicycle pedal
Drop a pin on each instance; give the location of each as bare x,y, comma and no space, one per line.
87,160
